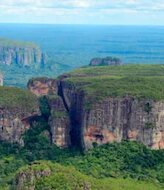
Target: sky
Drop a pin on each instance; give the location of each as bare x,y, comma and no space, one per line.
110,12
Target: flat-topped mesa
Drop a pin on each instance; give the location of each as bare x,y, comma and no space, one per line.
20,53
98,105
111,104
17,108
108,61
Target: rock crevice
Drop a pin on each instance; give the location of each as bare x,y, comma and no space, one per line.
74,122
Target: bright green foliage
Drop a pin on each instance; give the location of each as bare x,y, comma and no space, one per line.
117,166
8,166
126,159
110,163
67,178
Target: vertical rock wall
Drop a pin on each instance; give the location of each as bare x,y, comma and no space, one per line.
13,124
113,119
74,122
22,56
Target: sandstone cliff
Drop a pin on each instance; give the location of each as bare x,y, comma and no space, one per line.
93,106
59,122
17,108
58,117
42,86
20,53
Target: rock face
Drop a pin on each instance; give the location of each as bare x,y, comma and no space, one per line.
20,53
59,122
42,86
124,119
58,119
13,124
105,61
73,123
114,120
15,118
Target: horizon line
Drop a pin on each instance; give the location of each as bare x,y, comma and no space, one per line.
81,24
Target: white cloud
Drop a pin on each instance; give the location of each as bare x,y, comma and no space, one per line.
84,10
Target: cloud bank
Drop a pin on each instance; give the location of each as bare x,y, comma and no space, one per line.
83,11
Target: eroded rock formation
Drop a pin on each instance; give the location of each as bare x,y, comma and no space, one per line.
15,118
114,119
59,122
42,86
13,124
105,61
20,53
75,122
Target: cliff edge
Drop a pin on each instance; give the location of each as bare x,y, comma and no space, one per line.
20,53
17,108
98,105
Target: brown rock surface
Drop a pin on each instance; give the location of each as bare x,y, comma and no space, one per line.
14,123
59,122
42,86
113,119
74,123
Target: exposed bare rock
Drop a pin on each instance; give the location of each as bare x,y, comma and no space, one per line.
105,61
84,111
58,117
59,122
113,119
20,53
42,86
17,108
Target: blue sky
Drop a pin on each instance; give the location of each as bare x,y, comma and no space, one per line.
124,12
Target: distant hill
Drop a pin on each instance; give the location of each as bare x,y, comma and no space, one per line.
20,53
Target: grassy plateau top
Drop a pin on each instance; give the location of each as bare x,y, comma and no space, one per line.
13,43
17,98
140,81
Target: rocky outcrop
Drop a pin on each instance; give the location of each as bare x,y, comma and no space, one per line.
97,105
113,119
77,120
13,124
59,122
15,117
105,61
20,53
27,178
42,86
48,175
